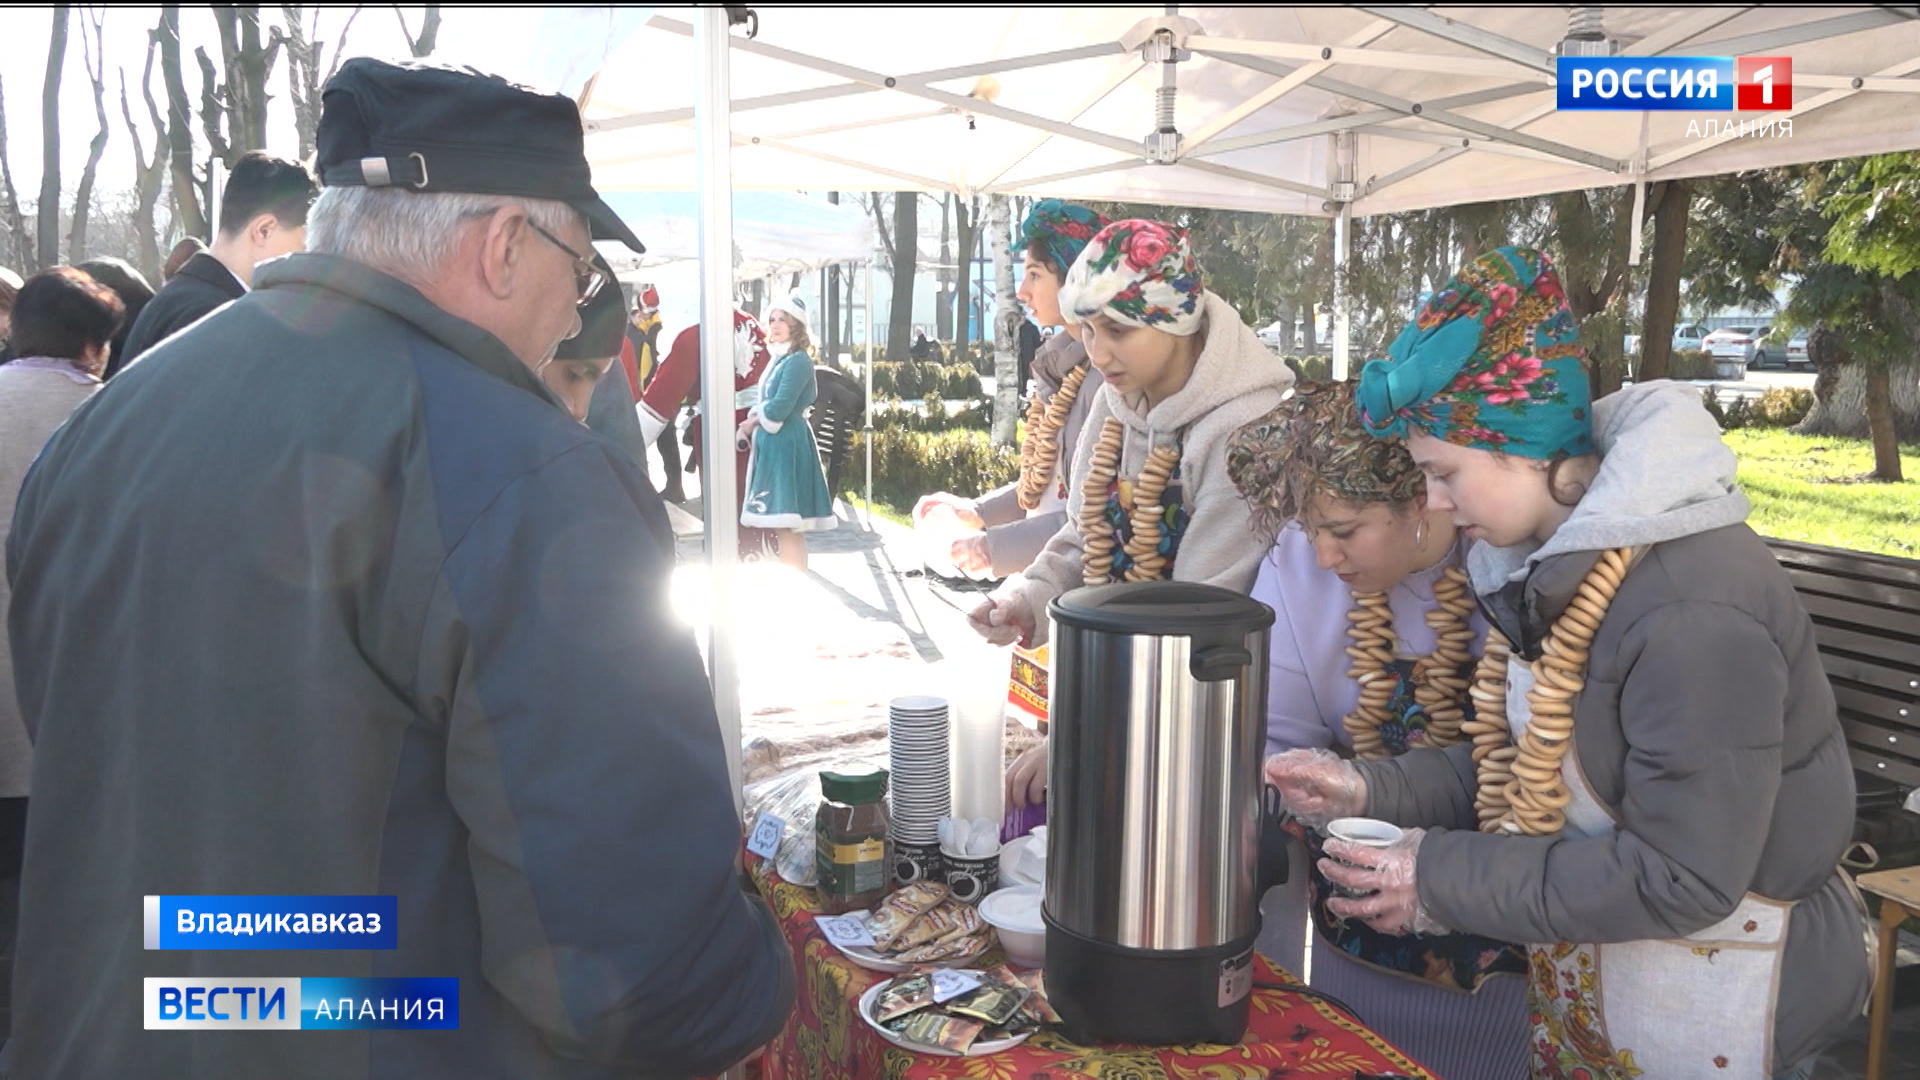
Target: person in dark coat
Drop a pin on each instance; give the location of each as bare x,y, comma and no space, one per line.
129,284
186,249
383,621
263,215
9,288
584,373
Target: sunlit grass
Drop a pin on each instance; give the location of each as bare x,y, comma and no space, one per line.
1809,489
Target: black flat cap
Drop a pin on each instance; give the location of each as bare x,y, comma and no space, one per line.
431,128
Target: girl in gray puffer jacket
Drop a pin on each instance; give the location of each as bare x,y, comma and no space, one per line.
1658,790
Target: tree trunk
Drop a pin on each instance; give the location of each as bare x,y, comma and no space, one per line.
1663,280
1592,265
47,231
942,313
1006,324
149,170
186,202
1842,396
1886,444
421,46
847,281
906,253
93,47
830,290
965,216
20,250
247,66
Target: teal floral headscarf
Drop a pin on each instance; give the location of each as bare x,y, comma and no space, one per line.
1062,229
1493,362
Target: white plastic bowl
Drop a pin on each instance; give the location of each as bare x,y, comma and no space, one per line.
1014,914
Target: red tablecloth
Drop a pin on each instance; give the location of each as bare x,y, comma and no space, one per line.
1289,1035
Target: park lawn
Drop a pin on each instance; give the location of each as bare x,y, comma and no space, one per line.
1806,488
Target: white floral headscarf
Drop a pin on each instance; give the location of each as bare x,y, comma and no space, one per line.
1137,272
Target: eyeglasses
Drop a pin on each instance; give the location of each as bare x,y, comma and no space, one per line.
588,279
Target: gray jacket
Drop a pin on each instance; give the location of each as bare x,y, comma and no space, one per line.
1014,538
1707,728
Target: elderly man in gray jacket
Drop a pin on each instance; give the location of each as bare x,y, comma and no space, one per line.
338,601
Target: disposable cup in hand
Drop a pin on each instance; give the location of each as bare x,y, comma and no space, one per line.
1366,832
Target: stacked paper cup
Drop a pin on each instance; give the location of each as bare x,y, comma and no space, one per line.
921,789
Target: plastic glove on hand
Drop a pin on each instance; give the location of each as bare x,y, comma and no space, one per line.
1390,874
1003,619
1317,786
1027,777
969,553
944,503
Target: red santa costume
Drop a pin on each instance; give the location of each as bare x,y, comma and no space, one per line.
677,383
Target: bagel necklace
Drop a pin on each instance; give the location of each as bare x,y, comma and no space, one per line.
1143,547
1041,452
1520,791
1438,685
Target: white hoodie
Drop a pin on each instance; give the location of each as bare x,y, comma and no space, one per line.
1235,381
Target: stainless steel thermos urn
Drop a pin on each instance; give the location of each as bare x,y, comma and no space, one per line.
1154,859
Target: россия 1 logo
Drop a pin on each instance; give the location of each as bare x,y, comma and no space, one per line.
1664,83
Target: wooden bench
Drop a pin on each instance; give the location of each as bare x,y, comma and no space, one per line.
1866,617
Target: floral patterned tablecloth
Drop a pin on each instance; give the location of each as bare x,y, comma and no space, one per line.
1290,1036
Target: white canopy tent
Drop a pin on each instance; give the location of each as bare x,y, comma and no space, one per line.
776,233
1323,111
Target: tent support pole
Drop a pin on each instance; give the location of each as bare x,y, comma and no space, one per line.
1342,246
718,482
867,441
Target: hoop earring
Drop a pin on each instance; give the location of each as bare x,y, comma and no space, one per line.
1420,532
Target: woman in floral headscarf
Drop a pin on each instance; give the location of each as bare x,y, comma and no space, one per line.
1375,632
1150,496
1657,791
1015,521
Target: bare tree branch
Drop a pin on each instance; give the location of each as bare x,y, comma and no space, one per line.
340,45
22,248
212,106
151,171
94,49
248,65
423,45
187,208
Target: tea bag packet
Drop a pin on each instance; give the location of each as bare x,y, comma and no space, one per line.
994,1004
943,922
1036,1005
909,993
947,949
955,1033
1021,1024
966,918
898,912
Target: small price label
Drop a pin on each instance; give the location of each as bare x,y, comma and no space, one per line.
847,931
766,835
948,985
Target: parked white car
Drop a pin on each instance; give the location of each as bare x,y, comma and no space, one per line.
1686,337
1740,343
1782,349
